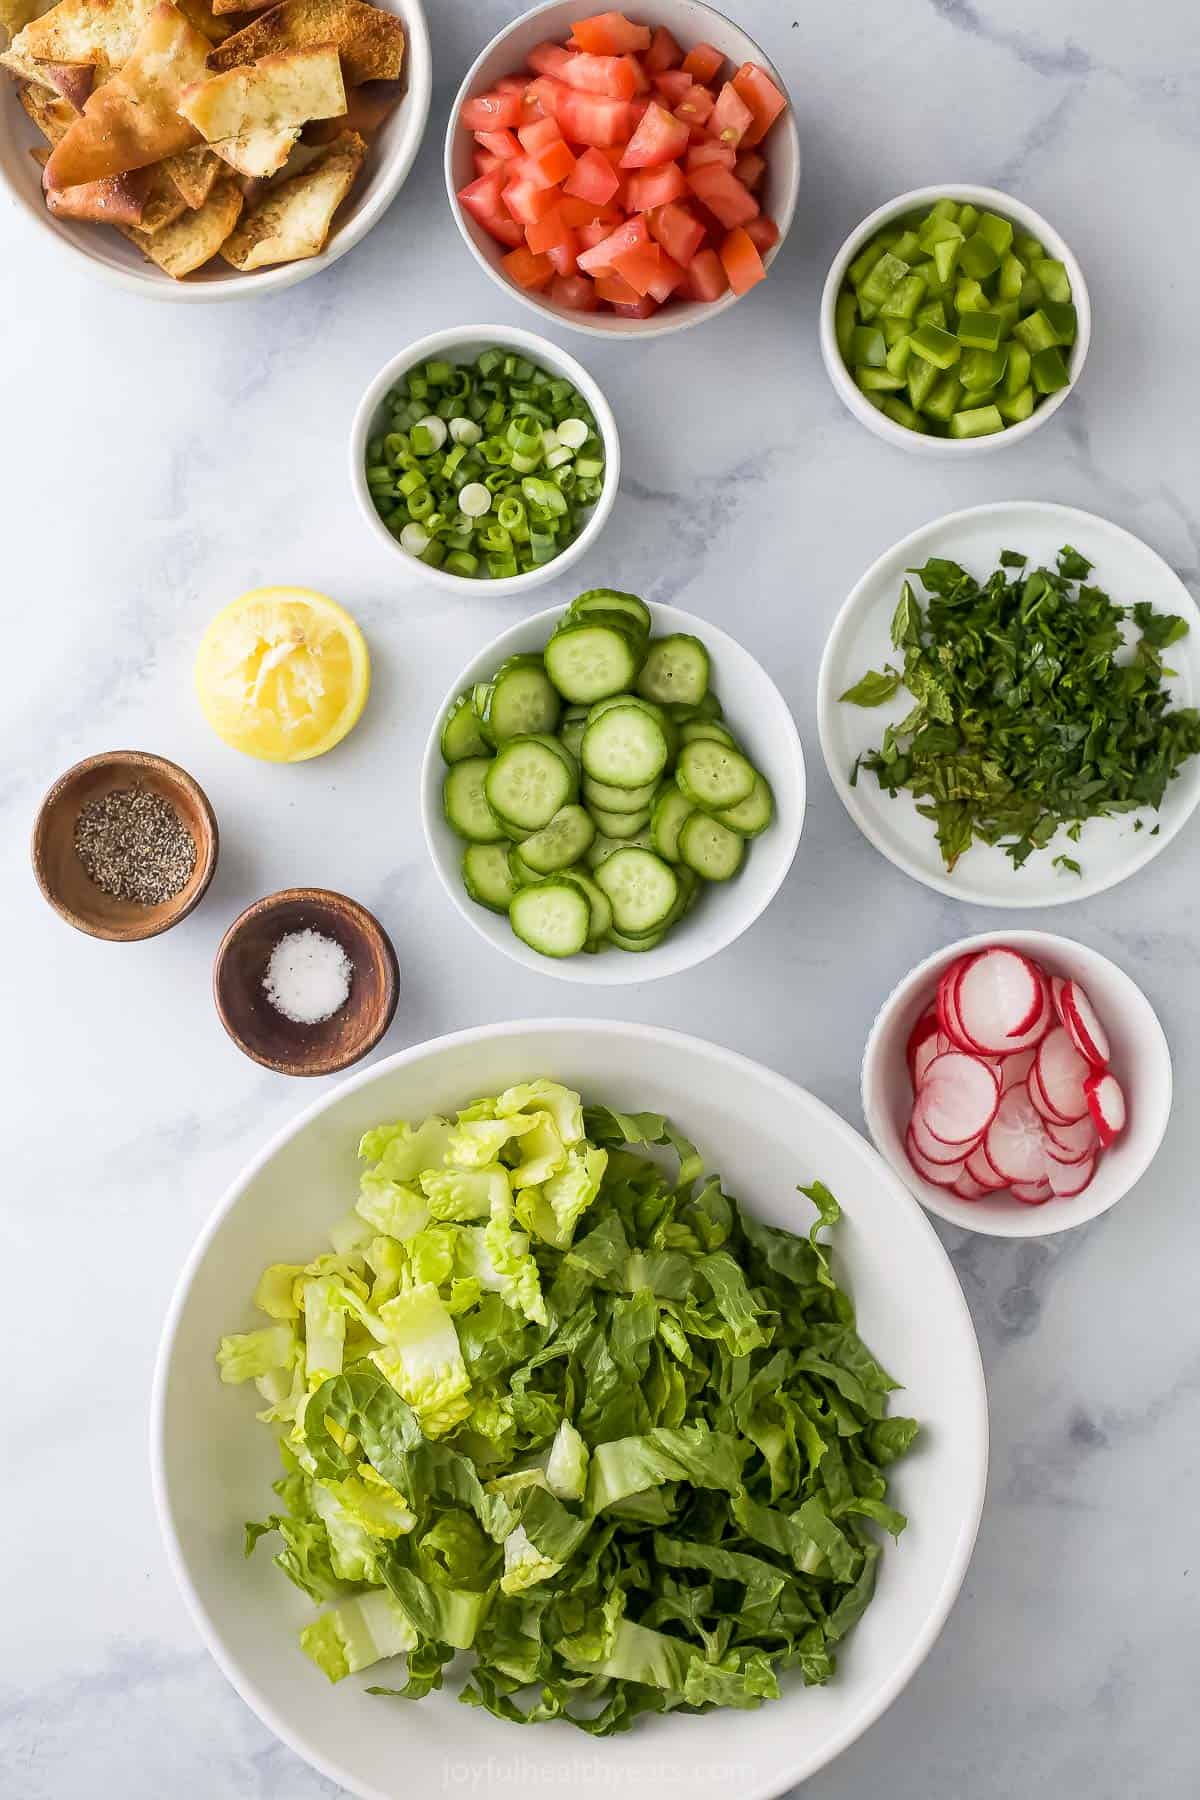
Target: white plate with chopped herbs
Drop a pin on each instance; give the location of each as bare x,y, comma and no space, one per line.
568,1361
1045,698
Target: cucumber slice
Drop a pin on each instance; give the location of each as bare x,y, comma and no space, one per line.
559,844
625,748
708,707
464,802
713,775
649,940
552,917
710,848
481,693
611,600
569,762
522,700
604,846
620,825
599,903
642,889
520,875
589,662
526,783
618,800
750,817
487,876
461,732
570,735
667,820
707,728
676,669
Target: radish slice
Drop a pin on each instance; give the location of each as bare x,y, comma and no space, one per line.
1014,1142
981,1171
967,1189
1057,984
1015,1069
1086,1032
1075,1141
1066,1159
1106,1103
932,1148
1031,1193
948,1012
959,1097
1061,1073
925,1027
1067,1180
1039,1099
925,1054
939,1174
1037,1031
998,997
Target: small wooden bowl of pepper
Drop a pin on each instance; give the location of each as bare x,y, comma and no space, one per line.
124,845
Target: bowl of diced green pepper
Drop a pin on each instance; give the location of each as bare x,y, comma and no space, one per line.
954,318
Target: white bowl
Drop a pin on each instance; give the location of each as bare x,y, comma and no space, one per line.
389,160
691,23
755,712
463,344
1141,1061
1109,850
213,1464
847,388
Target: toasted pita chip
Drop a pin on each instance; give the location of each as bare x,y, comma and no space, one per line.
101,32
280,91
144,197
293,220
193,173
301,157
369,40
193,239
202,15
133,120
258,154
241,6
15,15
367,107
49,112
73,81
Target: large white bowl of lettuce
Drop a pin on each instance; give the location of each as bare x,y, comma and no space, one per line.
571,1407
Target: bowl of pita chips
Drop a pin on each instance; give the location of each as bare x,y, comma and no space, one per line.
196,152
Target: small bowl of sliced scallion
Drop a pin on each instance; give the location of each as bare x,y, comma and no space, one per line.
485,455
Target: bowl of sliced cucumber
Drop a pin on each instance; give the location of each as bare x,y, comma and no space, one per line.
613,792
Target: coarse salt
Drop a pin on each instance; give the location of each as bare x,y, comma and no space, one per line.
308,977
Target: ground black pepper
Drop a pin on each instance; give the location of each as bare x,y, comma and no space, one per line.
133,844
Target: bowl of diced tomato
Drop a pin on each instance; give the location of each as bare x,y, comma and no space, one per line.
623,175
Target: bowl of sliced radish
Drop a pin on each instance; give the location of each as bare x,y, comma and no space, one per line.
1018,1084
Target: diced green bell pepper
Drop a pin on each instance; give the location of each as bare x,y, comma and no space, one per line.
1053,276
932,313
1016,376
1012,274
1036,332
928,271
1031,295
937,229
1050,372
936,346
942,402
904,298
845,323
981,330
997,231
1028,247
945,258
878,381
922,378
907,246
1009,311
893,330
944,209
970,297
882,279
1063,318
979,369
898,355
864,262
981,421
903,415
977,258
1016,407
867,348
968,218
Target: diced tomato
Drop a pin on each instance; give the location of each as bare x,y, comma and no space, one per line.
731,118
537,133
640,266
548,59
664,53
659,138
644,309
575,292
565,256
695,106
512,84
528,203
586,118
616,76
673,84
546,234
527,270
500,143
700,155
612,154
482,199
743,265
654,187
678,231
586,212
485,162
616,290
670,276
723,194
628,236
641,79
750,168
759,93
490,112
703,62
593,178
762,232
610,34
705,277
597,232
550,166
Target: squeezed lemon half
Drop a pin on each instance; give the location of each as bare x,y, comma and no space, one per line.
283,674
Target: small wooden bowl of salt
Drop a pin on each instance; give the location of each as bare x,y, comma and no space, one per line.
306,981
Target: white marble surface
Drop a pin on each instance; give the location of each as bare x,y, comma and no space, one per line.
157,461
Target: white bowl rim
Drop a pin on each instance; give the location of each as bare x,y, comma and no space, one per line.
650,965
539,349
1025,1221
665,1039
1085,887
152,284
847,390
669,318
